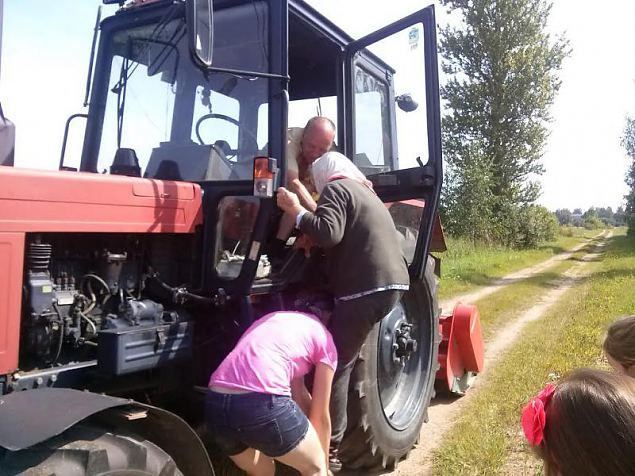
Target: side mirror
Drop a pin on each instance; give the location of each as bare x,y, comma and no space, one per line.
200,26
406,103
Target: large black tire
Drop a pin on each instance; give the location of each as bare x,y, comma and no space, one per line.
89,451
388,401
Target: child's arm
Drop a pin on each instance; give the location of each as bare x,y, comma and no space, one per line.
319,415
301,395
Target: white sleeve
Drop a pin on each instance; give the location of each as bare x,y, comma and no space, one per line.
299,217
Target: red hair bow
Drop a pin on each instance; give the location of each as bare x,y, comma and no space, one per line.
533,417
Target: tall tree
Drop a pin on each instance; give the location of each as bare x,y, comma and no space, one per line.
502,67
620,218
628,142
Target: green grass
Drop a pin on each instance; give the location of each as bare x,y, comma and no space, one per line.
516,297
466,266
510,302
488,438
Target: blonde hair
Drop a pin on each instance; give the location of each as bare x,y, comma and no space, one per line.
620,341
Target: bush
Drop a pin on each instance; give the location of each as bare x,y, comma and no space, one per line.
593,223
566,231
536,225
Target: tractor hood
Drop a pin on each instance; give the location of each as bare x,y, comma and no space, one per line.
47,201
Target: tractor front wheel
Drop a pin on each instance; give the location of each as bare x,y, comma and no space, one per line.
86,450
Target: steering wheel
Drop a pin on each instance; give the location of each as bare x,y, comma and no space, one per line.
227,152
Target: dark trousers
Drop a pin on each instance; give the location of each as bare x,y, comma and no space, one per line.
350,324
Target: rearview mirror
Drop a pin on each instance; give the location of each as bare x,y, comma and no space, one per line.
200,25
406,103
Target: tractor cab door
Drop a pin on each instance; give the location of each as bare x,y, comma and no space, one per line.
392,124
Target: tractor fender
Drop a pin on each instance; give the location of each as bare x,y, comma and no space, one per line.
33,416
166,430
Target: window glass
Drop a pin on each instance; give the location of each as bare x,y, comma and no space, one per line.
385,73
241,37
407,215
219,122
236,221
300,111
184,124
372,123
147,104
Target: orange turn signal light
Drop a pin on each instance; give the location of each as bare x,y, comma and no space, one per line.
264,172
263,168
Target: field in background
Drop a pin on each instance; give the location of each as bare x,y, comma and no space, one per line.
466,266
487,439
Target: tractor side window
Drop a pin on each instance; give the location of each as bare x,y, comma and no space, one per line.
148,102
372,123
407,215
235,225
390,89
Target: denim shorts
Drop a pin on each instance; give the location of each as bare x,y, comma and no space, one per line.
273,424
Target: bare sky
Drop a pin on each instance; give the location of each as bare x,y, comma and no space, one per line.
46,45
584,162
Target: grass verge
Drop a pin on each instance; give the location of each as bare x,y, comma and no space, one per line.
466,266
488,438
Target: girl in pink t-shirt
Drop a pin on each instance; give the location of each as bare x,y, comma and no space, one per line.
257,402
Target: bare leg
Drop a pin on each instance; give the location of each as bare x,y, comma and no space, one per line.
308,457
254,463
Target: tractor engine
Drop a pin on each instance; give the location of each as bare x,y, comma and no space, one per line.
86,298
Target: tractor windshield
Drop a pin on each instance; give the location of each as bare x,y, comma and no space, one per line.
181,122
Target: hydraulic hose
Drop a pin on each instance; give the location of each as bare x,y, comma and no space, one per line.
175,295
61,336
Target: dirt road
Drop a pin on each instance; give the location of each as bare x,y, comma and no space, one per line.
444,411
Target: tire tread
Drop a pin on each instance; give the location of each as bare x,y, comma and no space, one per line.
86,450
360,449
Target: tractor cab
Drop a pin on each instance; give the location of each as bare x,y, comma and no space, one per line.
159,111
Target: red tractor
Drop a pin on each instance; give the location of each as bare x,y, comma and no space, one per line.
126,278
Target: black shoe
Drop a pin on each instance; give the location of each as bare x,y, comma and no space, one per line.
335,465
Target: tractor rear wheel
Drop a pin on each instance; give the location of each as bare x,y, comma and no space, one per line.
86,450
393,381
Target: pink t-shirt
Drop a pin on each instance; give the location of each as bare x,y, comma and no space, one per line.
276,349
